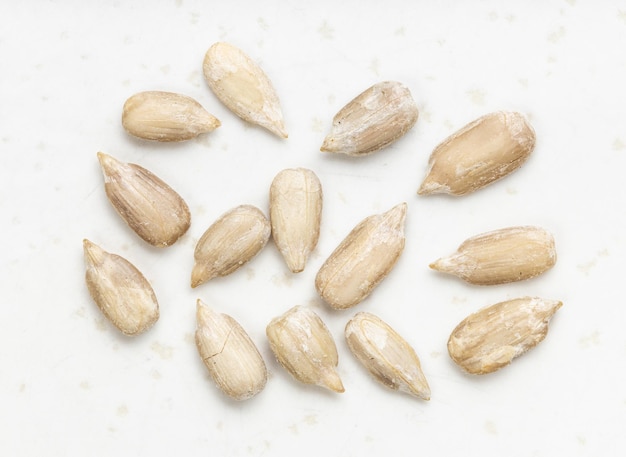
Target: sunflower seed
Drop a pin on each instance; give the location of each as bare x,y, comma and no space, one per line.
482,152
241,85
231,357
501,256
363,259
295,214
119,289
492,337
303,345
231,241
148,205
373,120
386,355
166,116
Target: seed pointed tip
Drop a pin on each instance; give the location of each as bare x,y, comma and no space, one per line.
331,380
419,387
430,186
444,265
397,215
196,278
92,252
329,144
107,162
277,127
424,393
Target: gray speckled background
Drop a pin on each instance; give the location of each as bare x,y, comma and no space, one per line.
72,385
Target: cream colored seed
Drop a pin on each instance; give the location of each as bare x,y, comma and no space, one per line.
241,85
386,355
295,215
148,205
166,116
363,259
501,256
373,120
491,338
231,357
231,241
119,289
303,345
482,152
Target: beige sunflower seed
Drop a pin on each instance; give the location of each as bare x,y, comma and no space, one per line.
492,337
303,345
233,360
148,205
386,355
373,120
363,259
482,152
501,256
231,241
241,85
166,116
295,214
119,289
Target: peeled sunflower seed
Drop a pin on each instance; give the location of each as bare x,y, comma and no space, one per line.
243,87
233,360
295,214
492,337
166,116
303,345
363,259
501,256
148,205
119,289
386,355
374,119
482,152
231,241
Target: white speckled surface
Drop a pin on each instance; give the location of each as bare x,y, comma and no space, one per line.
72,385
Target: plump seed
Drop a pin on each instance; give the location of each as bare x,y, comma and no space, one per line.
119,289
166,116
241,85
231,241
303,345
491,338
482,152
386,355
295,215
148,205
373,120
233,360
363,259
501,256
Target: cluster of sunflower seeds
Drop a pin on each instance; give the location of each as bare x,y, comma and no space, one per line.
482,152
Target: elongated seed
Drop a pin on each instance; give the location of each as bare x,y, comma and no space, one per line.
231,241
303,345
166,116
146,203
295,215
231,357
501,256
363,259
243,87
386,355
492,337
482,152
119,289
373,120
